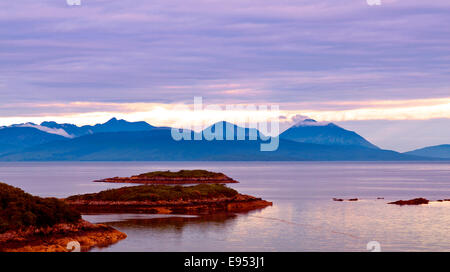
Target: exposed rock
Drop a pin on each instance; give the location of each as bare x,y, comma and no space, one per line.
238,203
340,199
167,177
57,238
416,201
30,223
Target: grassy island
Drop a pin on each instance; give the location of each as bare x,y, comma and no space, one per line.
169,177
182,174
166,199
159,193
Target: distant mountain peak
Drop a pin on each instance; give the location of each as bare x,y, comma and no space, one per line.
119,125
113,120
224,123
311,131
237,129
113,125
50,130
24,124
49,123
311,122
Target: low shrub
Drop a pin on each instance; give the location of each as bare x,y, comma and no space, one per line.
19,209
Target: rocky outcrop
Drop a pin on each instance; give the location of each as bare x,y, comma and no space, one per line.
165,180
416,201
60,238
238,203
341,200
180,177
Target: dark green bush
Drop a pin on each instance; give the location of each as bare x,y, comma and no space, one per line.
19,209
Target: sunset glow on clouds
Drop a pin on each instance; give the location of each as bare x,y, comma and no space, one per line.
83,113
334,61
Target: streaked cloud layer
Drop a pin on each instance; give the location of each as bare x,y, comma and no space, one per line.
162,114
336,60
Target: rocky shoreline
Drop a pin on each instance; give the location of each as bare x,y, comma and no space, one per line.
239,203
410,202
168,181
416,201
180,177
34,224
60,238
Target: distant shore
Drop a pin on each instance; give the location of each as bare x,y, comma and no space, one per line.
57,238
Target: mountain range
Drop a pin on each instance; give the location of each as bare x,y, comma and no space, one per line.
310,131
112,125
438,151
119,140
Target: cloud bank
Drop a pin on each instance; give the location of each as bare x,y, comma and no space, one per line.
167,51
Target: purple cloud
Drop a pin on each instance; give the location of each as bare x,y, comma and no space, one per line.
169,51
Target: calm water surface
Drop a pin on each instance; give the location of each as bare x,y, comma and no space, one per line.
303,217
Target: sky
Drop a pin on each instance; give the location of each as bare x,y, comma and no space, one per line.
382,71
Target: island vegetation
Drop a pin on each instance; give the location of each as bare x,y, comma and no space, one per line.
198,199
159,193
31,223
169,177
19,210
182,174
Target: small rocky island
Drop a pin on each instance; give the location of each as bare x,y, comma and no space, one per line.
342,200
416,201
33,224
168,177
163,199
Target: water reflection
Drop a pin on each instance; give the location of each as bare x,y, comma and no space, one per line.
303,218
171,232
175,223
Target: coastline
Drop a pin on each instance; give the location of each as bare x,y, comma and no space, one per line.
55,225
236,204
168,181
57,238
167,177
